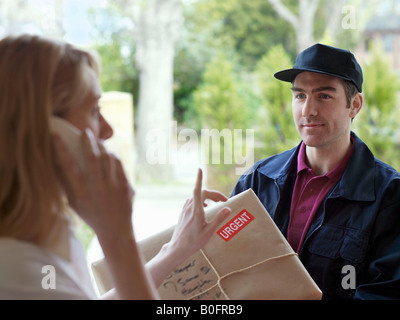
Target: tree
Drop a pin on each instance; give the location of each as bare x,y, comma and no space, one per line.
335,16
157,29
377,122
221,106
246,28
275,127
112,37
303,24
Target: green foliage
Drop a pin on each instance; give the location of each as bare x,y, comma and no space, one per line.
377,123
275,126
248,28
190,62
213,93
221,104
115,44
218,101
118,72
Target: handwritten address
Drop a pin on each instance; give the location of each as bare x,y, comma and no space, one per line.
193,277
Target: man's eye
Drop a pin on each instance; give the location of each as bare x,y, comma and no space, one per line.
300,96
325,96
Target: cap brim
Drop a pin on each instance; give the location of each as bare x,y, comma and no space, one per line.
290,74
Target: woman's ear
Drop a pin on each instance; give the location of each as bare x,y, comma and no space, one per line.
356,104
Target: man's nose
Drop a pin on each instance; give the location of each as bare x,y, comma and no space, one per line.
310,108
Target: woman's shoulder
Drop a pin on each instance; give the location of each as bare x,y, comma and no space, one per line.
29,271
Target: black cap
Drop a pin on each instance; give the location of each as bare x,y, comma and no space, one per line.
326,60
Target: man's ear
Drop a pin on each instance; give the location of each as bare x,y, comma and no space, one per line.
356,104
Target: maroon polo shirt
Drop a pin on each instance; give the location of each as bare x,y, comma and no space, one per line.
309,192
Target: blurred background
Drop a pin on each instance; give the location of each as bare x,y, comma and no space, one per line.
173,65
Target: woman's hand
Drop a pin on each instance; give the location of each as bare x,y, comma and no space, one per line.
101,195
193,230
191,233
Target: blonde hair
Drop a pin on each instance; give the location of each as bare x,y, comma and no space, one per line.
38,77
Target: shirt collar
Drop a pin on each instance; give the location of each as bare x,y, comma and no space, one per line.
334,173
301,159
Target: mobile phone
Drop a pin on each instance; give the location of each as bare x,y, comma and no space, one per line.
71,136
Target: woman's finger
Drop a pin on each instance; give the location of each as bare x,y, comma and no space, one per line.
106,164
121,178
197,197
213,195
218,219
92,154
67,169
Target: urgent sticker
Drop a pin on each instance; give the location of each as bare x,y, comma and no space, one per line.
236,224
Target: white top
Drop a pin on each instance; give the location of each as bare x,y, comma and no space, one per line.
28,271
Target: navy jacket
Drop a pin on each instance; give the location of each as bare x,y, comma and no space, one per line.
357,225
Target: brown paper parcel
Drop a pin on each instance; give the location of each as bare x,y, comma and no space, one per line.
247,258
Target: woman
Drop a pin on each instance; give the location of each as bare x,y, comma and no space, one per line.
40,181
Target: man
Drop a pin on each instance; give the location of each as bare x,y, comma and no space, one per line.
338,206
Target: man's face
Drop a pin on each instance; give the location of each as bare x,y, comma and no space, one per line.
320,109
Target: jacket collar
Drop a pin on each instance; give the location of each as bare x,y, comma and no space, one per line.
356,184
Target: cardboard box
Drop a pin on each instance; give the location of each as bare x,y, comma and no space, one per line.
247,258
